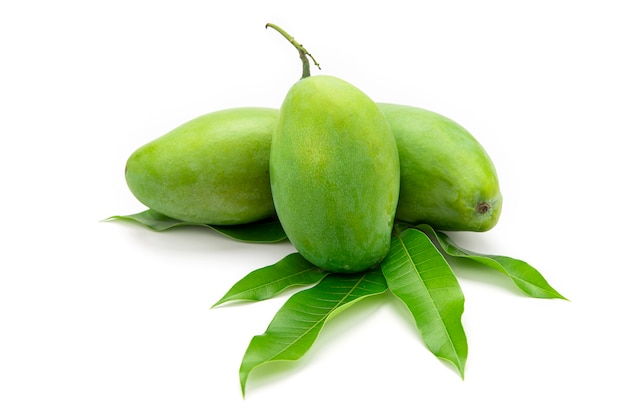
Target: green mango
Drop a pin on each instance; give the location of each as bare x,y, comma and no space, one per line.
335,174
447,179
213,169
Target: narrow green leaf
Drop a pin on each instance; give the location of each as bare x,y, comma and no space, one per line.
264,231
418,274
268,281
527,278
297,324
154,220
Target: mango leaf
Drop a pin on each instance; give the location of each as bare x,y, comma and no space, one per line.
526,277
297,324
153,220
268,281
264,231
418,274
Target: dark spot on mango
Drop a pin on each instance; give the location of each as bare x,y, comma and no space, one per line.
482,208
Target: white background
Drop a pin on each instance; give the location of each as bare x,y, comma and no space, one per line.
108,318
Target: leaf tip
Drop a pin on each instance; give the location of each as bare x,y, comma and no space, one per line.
456,364
562,297
243,379
218,303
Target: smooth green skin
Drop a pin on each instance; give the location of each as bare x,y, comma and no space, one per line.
335,174
213,169
447,179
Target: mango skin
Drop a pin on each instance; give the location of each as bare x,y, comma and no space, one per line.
213,169
335,174
447,179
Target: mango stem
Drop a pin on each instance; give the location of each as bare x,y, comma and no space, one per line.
304,54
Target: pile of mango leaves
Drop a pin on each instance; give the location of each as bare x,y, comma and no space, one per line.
415,271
